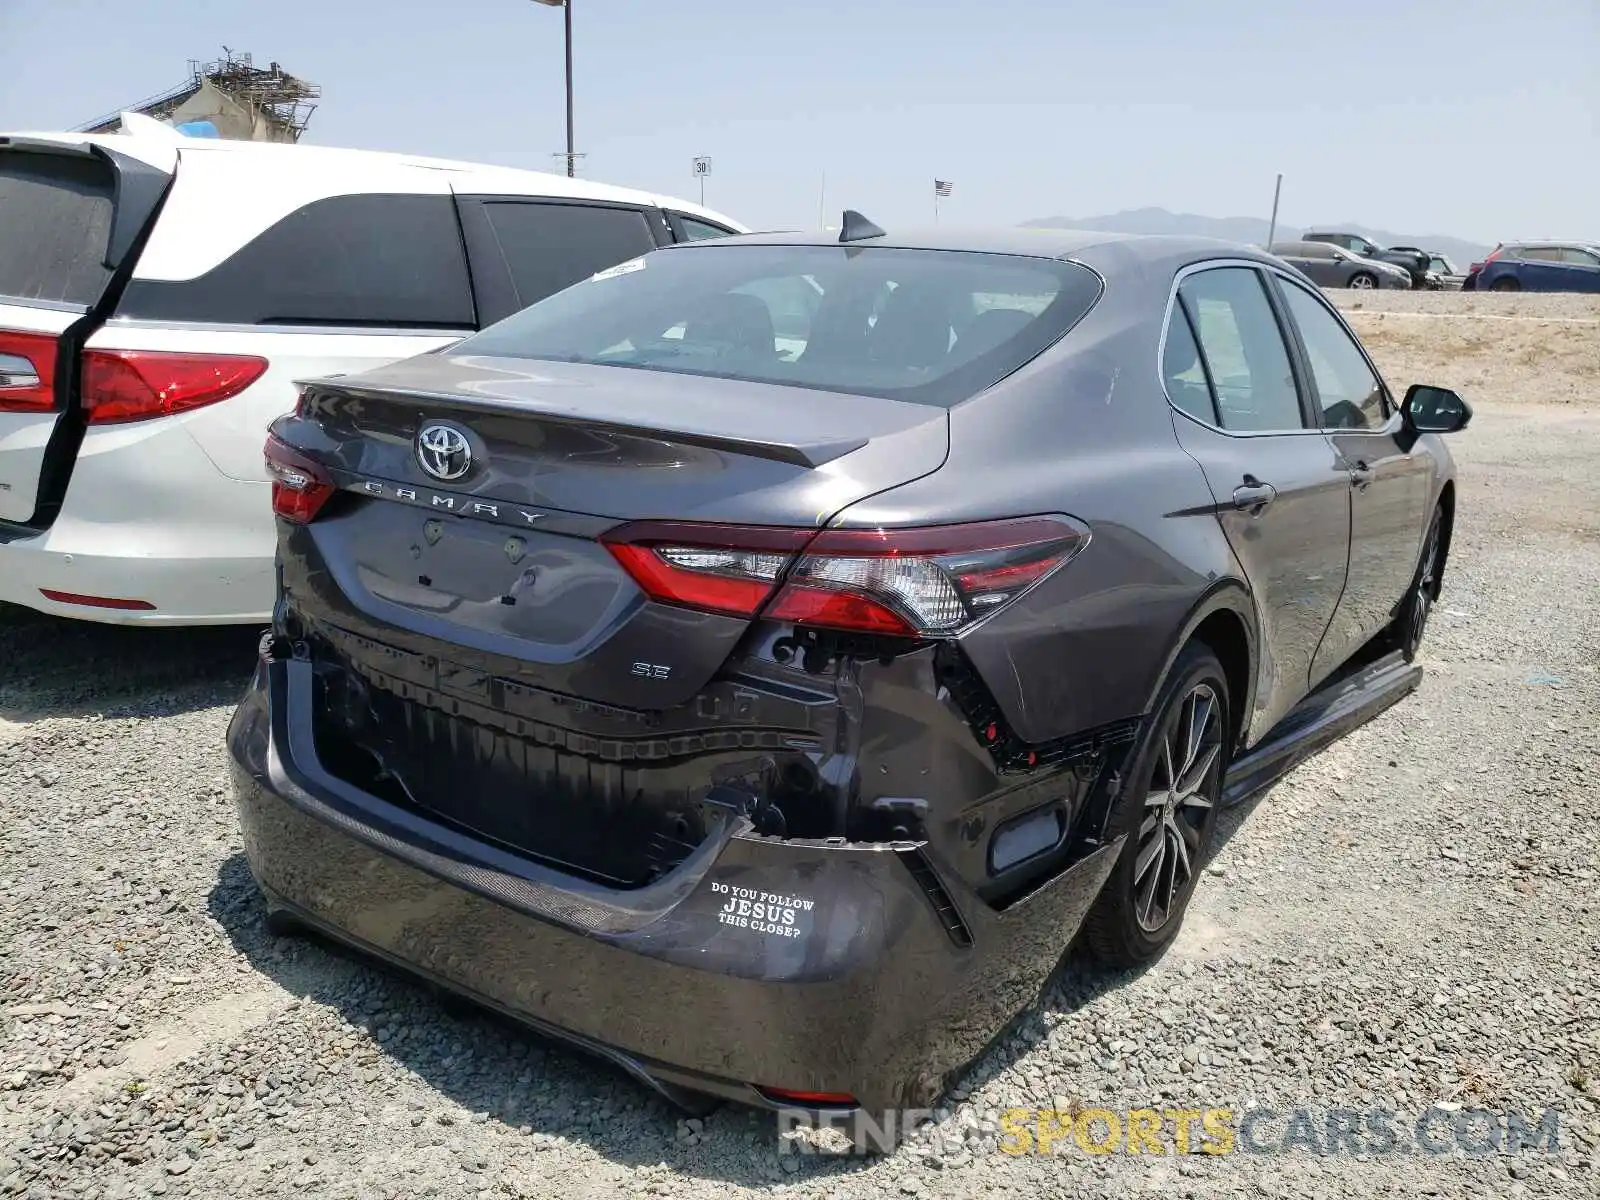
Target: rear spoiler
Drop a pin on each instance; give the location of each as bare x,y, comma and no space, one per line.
808,452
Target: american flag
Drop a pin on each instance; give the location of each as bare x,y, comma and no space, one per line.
941,187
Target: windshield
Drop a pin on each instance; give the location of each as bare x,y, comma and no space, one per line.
928,326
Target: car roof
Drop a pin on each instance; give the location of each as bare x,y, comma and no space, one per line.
466,177
1016,240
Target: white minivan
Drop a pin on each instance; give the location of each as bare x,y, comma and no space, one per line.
160,296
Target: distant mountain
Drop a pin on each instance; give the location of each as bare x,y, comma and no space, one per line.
1253,230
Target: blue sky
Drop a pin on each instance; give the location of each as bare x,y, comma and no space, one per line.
1465,117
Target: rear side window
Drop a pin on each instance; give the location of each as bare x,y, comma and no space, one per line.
55,223
551,246
1183,373
929,327
372,260
1244,350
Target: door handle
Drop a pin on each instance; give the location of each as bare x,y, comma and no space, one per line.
1254,495
1360,475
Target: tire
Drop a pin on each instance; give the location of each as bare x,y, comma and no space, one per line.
1506,283
1363,281
281,925
1411,622
1141,907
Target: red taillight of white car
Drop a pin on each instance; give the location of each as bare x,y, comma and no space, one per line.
136,385
299,486
27,371
117,386
930,581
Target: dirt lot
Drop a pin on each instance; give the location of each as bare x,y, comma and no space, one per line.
1411,920
1540,348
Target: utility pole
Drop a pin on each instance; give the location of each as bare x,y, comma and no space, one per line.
1272,227
566,6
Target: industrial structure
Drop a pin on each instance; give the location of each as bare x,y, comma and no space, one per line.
233,96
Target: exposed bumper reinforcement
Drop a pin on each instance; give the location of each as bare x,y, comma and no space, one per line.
803,965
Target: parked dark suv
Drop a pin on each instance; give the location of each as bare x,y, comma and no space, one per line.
1415,262
767,710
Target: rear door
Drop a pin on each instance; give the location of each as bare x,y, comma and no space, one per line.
1282,490
71,215
1540,269
1321,264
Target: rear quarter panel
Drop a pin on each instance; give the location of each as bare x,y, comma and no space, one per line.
1085,430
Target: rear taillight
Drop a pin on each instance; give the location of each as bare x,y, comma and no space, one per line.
715,568
135,385
27,372
930,581
299,486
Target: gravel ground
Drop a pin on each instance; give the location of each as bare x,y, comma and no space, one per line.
1411,919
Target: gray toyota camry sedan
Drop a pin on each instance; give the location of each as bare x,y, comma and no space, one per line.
757,664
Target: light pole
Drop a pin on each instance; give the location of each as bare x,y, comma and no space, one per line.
567,6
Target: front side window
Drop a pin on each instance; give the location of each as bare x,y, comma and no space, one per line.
931,327
1579,257
1244,350
549,246
1347,389
695,231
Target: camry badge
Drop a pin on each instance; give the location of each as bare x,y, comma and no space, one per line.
443,451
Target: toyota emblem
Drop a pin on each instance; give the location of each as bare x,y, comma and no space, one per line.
443,451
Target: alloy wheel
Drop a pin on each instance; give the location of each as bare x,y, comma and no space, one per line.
1182,792
1362,283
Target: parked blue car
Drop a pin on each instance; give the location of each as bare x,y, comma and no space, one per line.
1538,267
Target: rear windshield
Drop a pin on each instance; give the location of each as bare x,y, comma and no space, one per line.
55,223
929,326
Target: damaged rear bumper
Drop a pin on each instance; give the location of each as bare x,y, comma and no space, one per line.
817,966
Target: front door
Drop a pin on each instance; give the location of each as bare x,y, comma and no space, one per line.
1282,492
1391,483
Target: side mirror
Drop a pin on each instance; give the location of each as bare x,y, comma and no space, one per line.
1431,409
